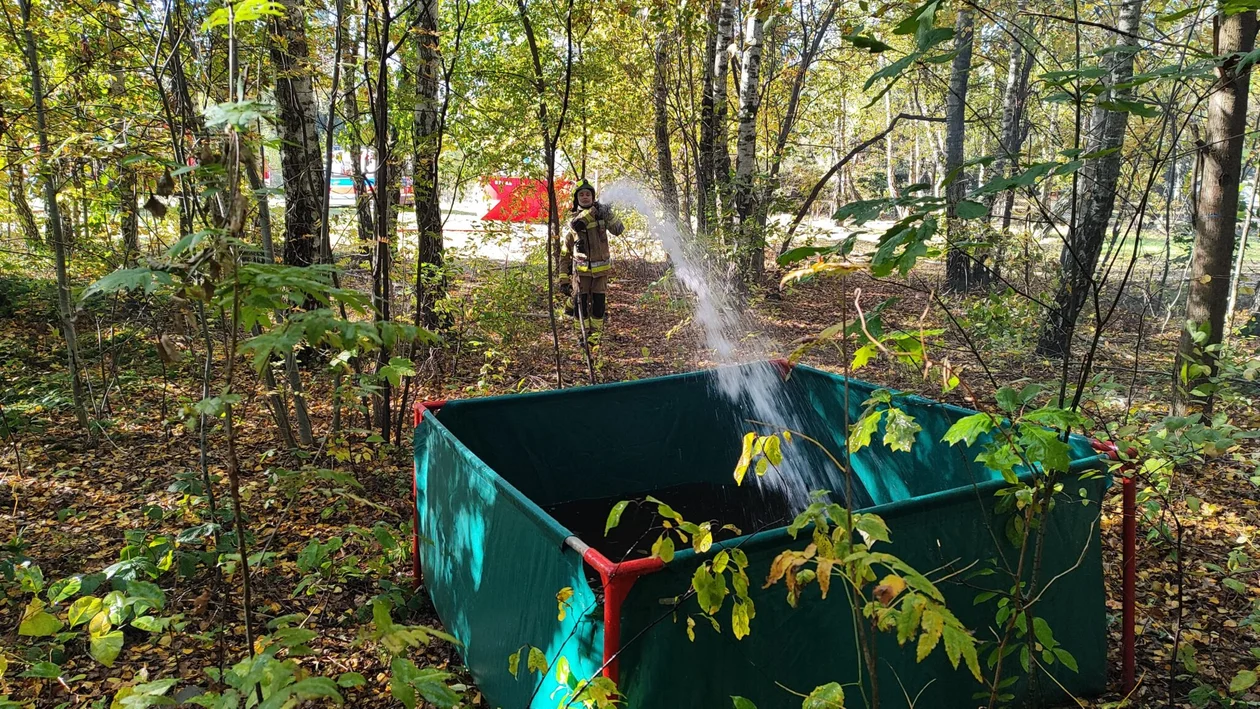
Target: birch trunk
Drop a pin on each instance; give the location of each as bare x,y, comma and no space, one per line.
721,134
301,162
751,236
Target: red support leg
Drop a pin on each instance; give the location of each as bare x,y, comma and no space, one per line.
1128,562
416,570
618,579
1128,640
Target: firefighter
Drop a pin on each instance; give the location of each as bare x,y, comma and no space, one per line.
588,259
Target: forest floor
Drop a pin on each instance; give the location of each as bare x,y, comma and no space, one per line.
73,507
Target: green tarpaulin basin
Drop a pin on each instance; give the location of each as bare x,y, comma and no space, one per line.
512,494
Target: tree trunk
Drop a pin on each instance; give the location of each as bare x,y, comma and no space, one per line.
938,175
1170,196
958,268
810,44
1218,200
836,152
1008,204
664,159
721,139
354,141
427,126
256,183
1236,280
382,285
705,199
1013,97
752,259
64,306
125,188
890,172
17,185
1097,178
300,150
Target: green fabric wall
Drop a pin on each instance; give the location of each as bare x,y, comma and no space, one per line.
485,467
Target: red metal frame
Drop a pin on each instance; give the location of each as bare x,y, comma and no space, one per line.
416,571
617,579
784,366
1128,562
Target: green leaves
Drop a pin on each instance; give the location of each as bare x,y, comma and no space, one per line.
37,622
1008,399
240,115
1054,417
1244,680
536,661
243,11
968,429
967,209
899,430
862,431
903,244
397,368
663,548
83,610
741,618
801,253
710,589
932,625
63,589
741,703
764,450
872,527
105,647
614,516
828,696
128,279
408,683
148,694
960,645
870,44
1137,108
745,457
1043,446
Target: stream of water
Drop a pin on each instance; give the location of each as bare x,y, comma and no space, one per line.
754,392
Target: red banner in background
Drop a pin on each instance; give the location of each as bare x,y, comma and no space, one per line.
522,199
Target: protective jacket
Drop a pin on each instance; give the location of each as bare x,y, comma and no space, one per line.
587,250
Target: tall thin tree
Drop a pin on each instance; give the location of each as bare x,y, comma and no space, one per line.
660,111
1218,196
721,132
64,307
752,237
958,263
1098,179
705,176
427,120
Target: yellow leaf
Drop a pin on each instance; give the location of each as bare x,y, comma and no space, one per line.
100,624
562,600
889,588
